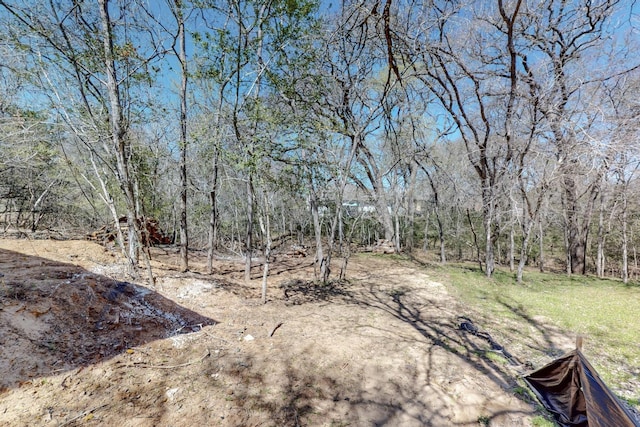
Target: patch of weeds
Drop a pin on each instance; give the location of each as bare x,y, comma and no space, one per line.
522,392
484,420
630,401
397,292
495,357
540,421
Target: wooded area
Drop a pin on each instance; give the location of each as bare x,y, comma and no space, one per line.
504,132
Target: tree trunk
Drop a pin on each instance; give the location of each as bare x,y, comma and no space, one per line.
319,262
635,262
356,141
182,55
524,250
213,195
119,140
382,207
344,246
488,229
601,238
265,226
248,242
577,229
213,224
475,239
567,248
443,252
425,242
396,217
541,245
411,208
625,240
106,197
512,248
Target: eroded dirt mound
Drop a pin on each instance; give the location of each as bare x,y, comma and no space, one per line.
56,316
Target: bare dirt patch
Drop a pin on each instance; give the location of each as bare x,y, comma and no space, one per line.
83,345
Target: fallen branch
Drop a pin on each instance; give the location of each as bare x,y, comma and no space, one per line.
273,331
215,337
84,414
141,365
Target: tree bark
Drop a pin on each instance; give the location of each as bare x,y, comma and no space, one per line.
265,226
524,250
248,240
182,57
411,207
319,262
488,212
625,239
475,240
541,244
512,247
600,259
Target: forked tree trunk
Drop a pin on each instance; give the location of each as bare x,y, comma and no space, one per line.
119,140
524,250
319,262
356,141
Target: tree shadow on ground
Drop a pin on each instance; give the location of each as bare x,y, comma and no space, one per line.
438,327
309,393
56,317
426,317
380,399
281,266
541,340
298,291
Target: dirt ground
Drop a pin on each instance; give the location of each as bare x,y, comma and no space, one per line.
82,344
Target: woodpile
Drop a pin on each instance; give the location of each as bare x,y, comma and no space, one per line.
151,232
383,246
297,251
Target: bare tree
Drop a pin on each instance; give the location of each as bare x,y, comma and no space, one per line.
565,34
100,61
177,8
470,81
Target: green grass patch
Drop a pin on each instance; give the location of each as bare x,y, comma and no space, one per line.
602,309
540,421
606,312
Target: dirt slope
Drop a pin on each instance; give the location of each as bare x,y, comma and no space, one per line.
81,344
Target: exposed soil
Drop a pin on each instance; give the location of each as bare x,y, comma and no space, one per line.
82,344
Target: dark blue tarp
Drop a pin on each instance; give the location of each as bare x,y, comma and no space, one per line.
573,392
